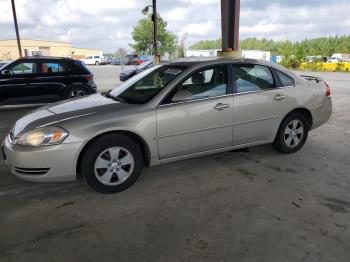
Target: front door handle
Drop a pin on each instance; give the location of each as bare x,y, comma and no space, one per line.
279,97
221,106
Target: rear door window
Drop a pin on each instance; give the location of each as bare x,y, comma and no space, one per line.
285,80
52,67
250,78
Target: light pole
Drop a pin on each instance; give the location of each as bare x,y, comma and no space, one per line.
16,28
156,58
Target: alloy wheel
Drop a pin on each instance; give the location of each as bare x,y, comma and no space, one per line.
293,133
114,166
76,93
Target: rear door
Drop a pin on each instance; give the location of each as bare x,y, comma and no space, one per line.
49,84
203,121
14,83
260,103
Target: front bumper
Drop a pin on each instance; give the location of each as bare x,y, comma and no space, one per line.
42,164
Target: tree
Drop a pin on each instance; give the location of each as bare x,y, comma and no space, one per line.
207,45
293,53
143,37
121,52
181,46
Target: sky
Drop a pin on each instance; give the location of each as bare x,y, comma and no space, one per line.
107,24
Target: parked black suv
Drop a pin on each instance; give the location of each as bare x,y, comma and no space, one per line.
41,80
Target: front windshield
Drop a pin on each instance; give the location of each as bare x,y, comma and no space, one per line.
146,85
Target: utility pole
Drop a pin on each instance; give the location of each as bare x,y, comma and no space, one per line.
16,27
156,57
230,10
155,42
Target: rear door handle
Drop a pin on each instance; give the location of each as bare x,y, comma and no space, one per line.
279,97
221,106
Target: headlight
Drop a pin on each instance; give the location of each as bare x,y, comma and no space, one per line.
45,136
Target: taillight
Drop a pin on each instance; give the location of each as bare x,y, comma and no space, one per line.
89,77
328,89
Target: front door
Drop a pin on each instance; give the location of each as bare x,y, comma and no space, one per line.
198,115
14,83
259,104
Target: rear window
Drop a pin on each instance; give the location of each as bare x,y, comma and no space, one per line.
285,80
81,67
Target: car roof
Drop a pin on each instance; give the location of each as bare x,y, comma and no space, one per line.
207,61
45,57
190,61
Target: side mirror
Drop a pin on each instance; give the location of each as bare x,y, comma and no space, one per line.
5,72
182,96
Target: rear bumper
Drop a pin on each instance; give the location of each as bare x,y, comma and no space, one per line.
42,164
321,114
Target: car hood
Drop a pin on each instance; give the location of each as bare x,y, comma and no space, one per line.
56,113
128,71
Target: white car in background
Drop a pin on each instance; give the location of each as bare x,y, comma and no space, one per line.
334,60
93,60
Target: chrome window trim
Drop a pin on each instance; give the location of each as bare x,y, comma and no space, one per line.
21,106
258,91
195,100
290,86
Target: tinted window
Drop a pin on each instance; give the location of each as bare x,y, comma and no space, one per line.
285,80
81,67
148,86
253,78
96,57
52,67
207,83
23,68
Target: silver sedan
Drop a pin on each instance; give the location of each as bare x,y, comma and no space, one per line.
169,112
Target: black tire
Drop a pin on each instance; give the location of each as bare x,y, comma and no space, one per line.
280,142
97,63
97,147
79,90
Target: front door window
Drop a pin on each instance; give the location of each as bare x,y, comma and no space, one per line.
23,68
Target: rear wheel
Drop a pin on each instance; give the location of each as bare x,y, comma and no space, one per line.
76,92
97,63
112,163
292,133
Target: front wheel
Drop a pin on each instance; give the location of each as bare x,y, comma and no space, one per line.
292,133
97,63
112,163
